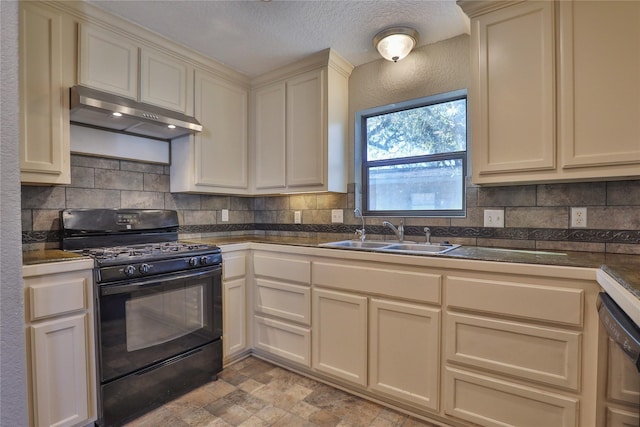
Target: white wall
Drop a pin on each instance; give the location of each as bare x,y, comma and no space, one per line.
429,70
13,395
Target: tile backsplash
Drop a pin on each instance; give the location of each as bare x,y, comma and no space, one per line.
536,216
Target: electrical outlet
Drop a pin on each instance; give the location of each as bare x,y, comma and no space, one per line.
337,216
225,215
578,217
297,217
494,218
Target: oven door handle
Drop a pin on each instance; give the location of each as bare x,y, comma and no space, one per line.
106,290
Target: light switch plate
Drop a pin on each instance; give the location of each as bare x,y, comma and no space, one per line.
297,217
494,218
225,215
337,216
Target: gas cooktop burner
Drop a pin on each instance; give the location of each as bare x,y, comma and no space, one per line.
133,253
146,250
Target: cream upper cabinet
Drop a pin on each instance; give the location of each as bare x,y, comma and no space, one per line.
512,95
165,81
599,87
216,159
118,65
60,343
46,72
269,106
306,132
107,61
554,90
299,126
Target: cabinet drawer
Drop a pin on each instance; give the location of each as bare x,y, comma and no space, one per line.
541,354
545,303
234,266
290,302
494,403
621,418
384,281
284,340
293,270
63,293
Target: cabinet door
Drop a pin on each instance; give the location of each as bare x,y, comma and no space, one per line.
234,324
59,363
340,335
270,146
306,134
164,81
404,351
108,61
600,84
221,147
44,105
513,90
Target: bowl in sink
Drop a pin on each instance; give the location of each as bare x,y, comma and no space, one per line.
356,244
421,248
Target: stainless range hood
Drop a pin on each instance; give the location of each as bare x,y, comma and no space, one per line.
96,109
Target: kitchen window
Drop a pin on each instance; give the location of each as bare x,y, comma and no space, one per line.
413,157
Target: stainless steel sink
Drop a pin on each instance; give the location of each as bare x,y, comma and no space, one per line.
421,248
393,247
356,244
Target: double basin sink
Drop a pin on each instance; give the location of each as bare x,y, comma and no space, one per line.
393,247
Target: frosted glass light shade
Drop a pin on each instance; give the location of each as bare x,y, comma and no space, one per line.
395,43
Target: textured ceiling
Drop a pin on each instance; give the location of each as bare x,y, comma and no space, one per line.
254,37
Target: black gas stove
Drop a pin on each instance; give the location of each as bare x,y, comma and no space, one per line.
129,243
158,307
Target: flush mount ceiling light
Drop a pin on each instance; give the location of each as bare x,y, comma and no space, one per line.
396,42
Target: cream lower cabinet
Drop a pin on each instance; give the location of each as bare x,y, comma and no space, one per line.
46,72
282,306
404,351
234,302
377,326
517,353
60,343
340,335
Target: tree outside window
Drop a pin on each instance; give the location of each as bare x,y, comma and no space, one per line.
413,157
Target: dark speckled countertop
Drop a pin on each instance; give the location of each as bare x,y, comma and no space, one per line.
48,255
625,269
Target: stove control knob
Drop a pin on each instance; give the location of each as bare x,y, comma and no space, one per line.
204,260
129,270
144,268
193,261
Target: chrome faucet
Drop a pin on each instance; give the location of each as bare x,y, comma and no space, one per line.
427,232
399,231
360,232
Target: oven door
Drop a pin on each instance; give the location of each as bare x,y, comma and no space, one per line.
147,321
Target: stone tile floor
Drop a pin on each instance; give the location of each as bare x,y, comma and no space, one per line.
254,393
